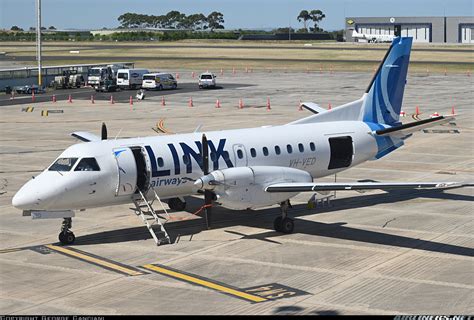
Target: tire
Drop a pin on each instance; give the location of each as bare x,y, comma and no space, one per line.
66,237
287,225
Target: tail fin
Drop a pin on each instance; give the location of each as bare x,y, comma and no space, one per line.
384,95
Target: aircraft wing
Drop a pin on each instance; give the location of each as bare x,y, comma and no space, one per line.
411,127
85,136
336,186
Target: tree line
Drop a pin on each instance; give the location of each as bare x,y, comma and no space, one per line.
173,20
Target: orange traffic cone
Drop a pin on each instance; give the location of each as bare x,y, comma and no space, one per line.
163,102
33,98
453,111
218,103
417,111
54,98
69,99
112,99
300,106
241,104
329,106
193,74
131,100
268,104
191,104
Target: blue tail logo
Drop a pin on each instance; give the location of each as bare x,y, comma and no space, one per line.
383,102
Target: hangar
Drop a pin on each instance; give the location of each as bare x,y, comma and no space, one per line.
422,29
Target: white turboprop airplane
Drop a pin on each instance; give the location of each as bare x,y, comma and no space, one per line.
239,169
373,37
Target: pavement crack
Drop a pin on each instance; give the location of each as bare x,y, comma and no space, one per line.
388,222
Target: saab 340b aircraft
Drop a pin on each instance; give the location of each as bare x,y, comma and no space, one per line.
238,169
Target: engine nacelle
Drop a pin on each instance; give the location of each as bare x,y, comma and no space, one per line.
244,187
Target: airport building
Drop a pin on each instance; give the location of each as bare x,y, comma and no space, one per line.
422,29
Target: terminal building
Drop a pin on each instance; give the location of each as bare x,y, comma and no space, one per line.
422,29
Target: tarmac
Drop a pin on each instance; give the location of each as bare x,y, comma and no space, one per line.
400,252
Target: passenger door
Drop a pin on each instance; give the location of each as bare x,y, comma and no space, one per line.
127,171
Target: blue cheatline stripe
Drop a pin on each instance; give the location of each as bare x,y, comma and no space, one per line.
385,144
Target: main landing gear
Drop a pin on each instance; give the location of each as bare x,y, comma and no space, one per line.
283,223
66,236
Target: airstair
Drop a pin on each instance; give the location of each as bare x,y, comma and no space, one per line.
144,209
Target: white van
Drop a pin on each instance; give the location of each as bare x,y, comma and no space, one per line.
159,81
207,80
130,78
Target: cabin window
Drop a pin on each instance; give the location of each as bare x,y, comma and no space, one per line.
300,147
63,164
277,150
312,146
87,164
160,161
253,152
240,154
289,148
265,151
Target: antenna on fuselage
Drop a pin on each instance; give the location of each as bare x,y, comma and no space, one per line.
104,131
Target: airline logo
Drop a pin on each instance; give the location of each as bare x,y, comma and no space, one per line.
187,155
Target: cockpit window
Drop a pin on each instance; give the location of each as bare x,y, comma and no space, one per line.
63,164
87,164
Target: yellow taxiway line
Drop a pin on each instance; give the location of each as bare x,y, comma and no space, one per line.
105,263
205,283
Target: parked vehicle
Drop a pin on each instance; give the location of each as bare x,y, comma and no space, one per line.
106,85
27,89
69,79
98,74
207,80
130,78
159,81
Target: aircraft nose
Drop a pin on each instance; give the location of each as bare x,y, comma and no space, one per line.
25,198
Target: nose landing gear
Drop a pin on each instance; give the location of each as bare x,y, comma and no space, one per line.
66,236
283,223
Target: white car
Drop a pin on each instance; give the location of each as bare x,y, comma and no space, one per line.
159,81
207,80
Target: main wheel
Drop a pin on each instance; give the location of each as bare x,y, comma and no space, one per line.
176,204
287,225
277,224
66,237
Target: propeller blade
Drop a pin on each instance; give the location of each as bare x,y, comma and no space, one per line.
104,131
205,155
208,196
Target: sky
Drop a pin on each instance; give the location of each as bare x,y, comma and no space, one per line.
245,14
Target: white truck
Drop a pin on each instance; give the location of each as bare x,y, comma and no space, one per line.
130,78
98,74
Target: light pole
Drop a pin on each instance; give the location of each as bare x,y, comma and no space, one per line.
38,40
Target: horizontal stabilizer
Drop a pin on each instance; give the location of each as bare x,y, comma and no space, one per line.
314,187
313,107
85,136
411,127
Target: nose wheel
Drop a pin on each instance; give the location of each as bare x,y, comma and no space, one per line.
283,223
66,236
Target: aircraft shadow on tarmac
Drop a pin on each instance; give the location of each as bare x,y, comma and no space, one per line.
264,218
